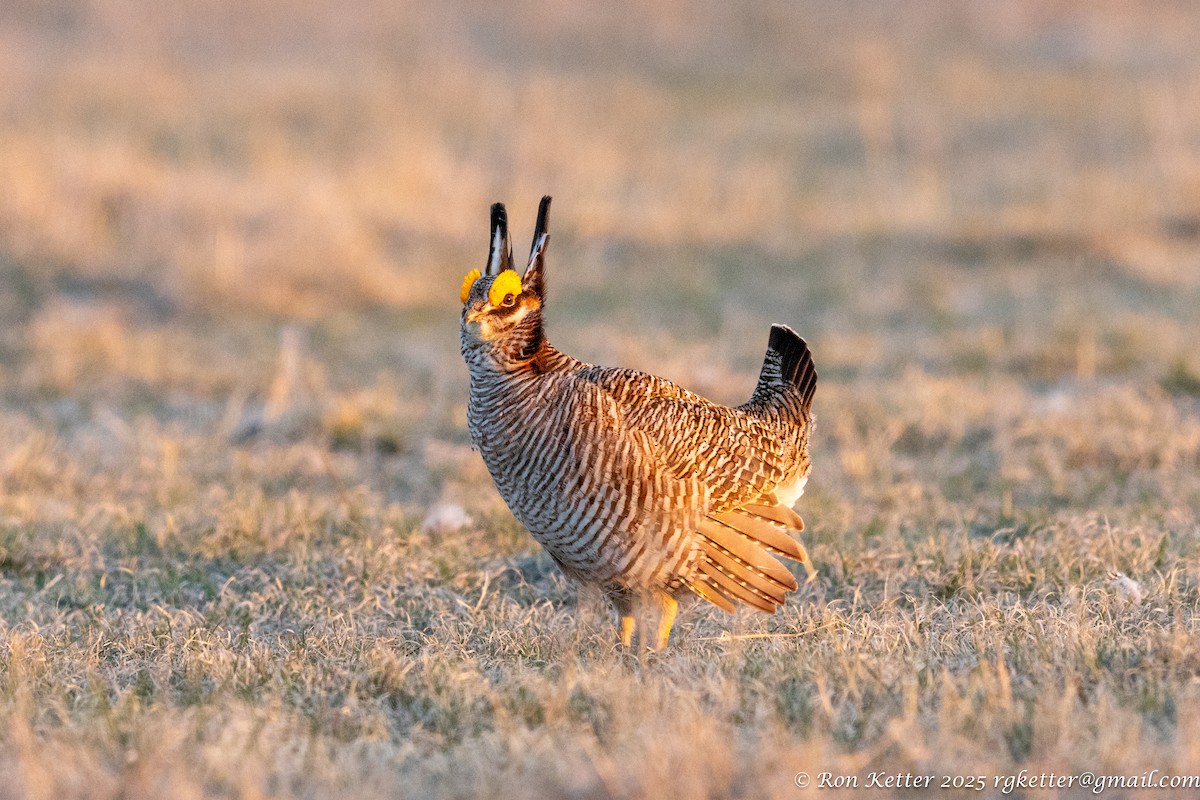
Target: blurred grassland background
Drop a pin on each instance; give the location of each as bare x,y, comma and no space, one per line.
246,550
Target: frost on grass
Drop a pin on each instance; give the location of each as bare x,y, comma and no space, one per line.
445,518
1126,588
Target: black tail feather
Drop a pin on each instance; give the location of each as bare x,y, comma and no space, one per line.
788,361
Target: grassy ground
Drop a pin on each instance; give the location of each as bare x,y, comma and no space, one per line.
232,408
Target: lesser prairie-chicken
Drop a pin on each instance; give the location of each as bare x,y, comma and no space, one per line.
630,482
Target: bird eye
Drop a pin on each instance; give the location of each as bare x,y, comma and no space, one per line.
508,300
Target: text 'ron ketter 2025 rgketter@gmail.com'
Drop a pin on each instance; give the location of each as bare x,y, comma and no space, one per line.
1005,784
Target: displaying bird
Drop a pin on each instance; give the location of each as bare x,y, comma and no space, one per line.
630,482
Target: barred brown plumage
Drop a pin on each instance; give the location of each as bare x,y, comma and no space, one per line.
628,481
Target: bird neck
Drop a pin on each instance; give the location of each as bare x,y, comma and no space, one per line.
517,362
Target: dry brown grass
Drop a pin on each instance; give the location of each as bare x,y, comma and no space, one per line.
231,237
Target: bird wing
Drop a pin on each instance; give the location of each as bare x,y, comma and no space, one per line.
740,525
740,457
623,504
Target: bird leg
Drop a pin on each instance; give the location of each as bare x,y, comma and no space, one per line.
623,603
627,607
669,607
628,626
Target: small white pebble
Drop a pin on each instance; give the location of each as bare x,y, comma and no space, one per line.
1127,587
446,517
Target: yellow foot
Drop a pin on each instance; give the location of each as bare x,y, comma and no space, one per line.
670,607
628,626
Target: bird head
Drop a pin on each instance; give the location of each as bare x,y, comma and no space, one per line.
502,311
